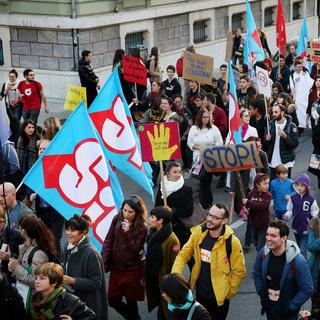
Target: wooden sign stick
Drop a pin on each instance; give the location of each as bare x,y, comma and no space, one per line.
164,194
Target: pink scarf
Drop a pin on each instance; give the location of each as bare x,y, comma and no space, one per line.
245,128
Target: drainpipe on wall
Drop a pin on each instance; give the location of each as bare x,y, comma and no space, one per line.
75,36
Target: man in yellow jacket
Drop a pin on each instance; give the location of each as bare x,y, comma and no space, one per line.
214,278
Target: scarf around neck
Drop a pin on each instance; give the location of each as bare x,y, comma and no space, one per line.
173,307
244,130
44,310
171,186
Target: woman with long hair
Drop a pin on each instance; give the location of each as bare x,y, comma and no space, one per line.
181,303
155,71
155,113
51,300
201,134
179,199
83,267
123,255
39,245
50,128
27,148
314,96
169,110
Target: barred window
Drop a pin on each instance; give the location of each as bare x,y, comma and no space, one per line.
269,16
297,10
134,40
201,31
238,21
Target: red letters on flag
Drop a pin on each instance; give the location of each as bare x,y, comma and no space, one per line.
281,30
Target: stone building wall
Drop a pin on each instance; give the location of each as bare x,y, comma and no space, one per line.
221,22
171,32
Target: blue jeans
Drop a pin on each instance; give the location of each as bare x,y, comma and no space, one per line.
259,238
31,114
302,240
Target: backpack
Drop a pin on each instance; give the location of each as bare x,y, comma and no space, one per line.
52,257
179,67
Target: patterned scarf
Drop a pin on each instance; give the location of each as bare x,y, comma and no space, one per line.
27,150
44,310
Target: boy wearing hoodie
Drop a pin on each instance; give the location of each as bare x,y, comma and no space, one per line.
257,205
302,206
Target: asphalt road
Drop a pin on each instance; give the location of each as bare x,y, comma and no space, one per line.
245,305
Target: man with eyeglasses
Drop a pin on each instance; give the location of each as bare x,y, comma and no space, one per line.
218,270
32,96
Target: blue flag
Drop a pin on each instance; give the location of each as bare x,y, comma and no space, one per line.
253,50
74,176
303,40
112,118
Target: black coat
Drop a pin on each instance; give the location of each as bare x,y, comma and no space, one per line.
86,266
285,75
288,145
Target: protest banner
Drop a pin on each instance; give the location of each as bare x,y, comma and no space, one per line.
134,70
229,46
74,96
197,67
263,82
160,141
231,157
313,50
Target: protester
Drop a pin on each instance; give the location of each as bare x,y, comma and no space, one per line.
302,206
242,92
11,95
181,303
162,249
290,108
27,148
51,126
149,100
281,76
191,97
171,84
264,42
123,255
39,246
141,89
179,199
300,85
155,72
83,267
32,96
238,46
222,80
154,114
204,133
281,275
257,204
258,117
281,188
88,78
291,56
169,111
313,264
215,276
282,141
51,300
8,201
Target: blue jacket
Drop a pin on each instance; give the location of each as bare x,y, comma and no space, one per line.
279,189
313,262
295,285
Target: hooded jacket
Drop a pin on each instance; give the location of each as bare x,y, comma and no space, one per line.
302,207
287,145
295,285
258,203
226,276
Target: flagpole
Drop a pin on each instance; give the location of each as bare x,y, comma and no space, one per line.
164,193
267,114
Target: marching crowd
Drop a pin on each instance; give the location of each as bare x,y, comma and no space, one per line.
146,252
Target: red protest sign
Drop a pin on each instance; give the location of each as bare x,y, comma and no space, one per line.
134,70
159,141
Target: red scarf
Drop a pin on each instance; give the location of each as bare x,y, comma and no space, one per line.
245,128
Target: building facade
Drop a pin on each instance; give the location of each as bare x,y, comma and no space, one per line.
49,35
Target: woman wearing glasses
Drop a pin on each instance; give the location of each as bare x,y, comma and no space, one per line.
123,255
201,134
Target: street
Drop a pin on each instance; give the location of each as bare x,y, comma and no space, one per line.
245,305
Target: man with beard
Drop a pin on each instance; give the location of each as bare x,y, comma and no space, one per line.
219,262
281,141
281,275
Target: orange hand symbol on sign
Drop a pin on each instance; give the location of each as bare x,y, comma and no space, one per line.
160,143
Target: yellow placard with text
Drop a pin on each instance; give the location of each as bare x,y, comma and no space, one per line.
74,95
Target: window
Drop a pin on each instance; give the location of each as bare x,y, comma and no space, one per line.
269,16
201,31
296,10
134,40
238,21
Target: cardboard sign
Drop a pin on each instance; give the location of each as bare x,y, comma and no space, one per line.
74,96
231,157
263,81
197,67
134,70
229,46
313,50
159,141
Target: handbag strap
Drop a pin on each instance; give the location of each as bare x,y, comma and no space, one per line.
191,311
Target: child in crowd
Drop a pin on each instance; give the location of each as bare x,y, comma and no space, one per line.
303,206
280,188
257,205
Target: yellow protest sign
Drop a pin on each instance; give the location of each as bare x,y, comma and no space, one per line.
74,95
